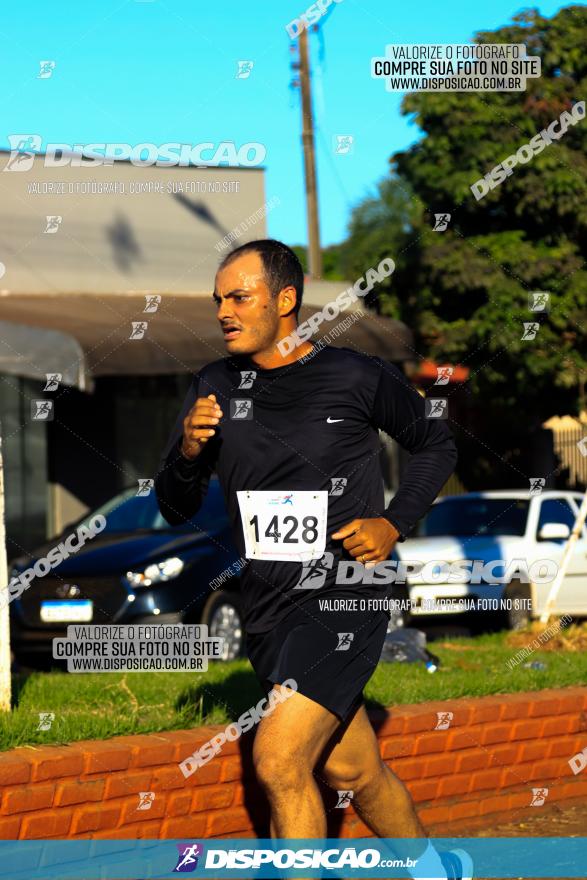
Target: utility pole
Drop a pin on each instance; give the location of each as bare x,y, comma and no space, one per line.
314,252
4,613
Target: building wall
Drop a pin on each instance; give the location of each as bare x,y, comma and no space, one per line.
145,234
105,442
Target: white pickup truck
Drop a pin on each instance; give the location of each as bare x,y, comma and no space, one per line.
527,533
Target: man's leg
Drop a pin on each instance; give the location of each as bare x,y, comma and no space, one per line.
288,744
379,797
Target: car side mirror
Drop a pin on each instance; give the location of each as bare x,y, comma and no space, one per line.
554,532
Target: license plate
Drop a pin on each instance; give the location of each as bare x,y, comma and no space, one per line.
56,611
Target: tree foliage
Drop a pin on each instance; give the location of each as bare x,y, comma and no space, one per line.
465,291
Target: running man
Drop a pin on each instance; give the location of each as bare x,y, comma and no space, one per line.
311,423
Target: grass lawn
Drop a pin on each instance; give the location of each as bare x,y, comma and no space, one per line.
99,705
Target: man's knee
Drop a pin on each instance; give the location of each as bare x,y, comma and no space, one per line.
350,777
279,766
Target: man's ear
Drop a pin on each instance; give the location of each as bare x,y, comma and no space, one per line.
286,301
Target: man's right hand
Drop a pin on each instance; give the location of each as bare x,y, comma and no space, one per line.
199,425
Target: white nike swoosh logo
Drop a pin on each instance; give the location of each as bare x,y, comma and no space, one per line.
331,421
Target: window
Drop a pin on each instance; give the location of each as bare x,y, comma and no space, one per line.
129,512
556,510
475,517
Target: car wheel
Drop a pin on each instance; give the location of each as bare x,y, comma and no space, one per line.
223,616
515,618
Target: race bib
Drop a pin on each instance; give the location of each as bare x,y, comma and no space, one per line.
285,526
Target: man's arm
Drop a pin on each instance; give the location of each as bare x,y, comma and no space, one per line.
399,410
182,480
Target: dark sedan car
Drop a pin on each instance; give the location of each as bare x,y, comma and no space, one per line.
138,569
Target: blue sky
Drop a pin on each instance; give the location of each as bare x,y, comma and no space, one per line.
164,71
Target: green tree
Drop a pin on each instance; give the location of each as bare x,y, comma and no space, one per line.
465,291
331,261
384,225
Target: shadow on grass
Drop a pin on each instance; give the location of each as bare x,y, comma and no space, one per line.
19,680
236,693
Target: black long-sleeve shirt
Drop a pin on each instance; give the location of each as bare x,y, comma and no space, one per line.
313,421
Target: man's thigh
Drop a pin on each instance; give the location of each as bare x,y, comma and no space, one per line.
296,727
306,647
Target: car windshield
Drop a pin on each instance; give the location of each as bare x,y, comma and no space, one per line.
470,517
129,512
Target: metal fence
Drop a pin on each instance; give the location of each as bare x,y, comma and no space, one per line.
570,446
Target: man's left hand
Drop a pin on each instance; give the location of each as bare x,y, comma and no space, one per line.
368,540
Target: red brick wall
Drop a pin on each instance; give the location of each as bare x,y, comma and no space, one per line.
495,751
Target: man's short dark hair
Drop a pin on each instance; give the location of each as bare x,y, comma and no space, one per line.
281,267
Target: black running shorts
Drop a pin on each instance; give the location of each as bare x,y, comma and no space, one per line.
330,654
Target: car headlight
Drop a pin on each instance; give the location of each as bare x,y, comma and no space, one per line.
412,568
156,572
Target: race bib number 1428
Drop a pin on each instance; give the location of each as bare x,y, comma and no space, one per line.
286,526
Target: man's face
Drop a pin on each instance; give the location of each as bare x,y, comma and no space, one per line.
247,311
